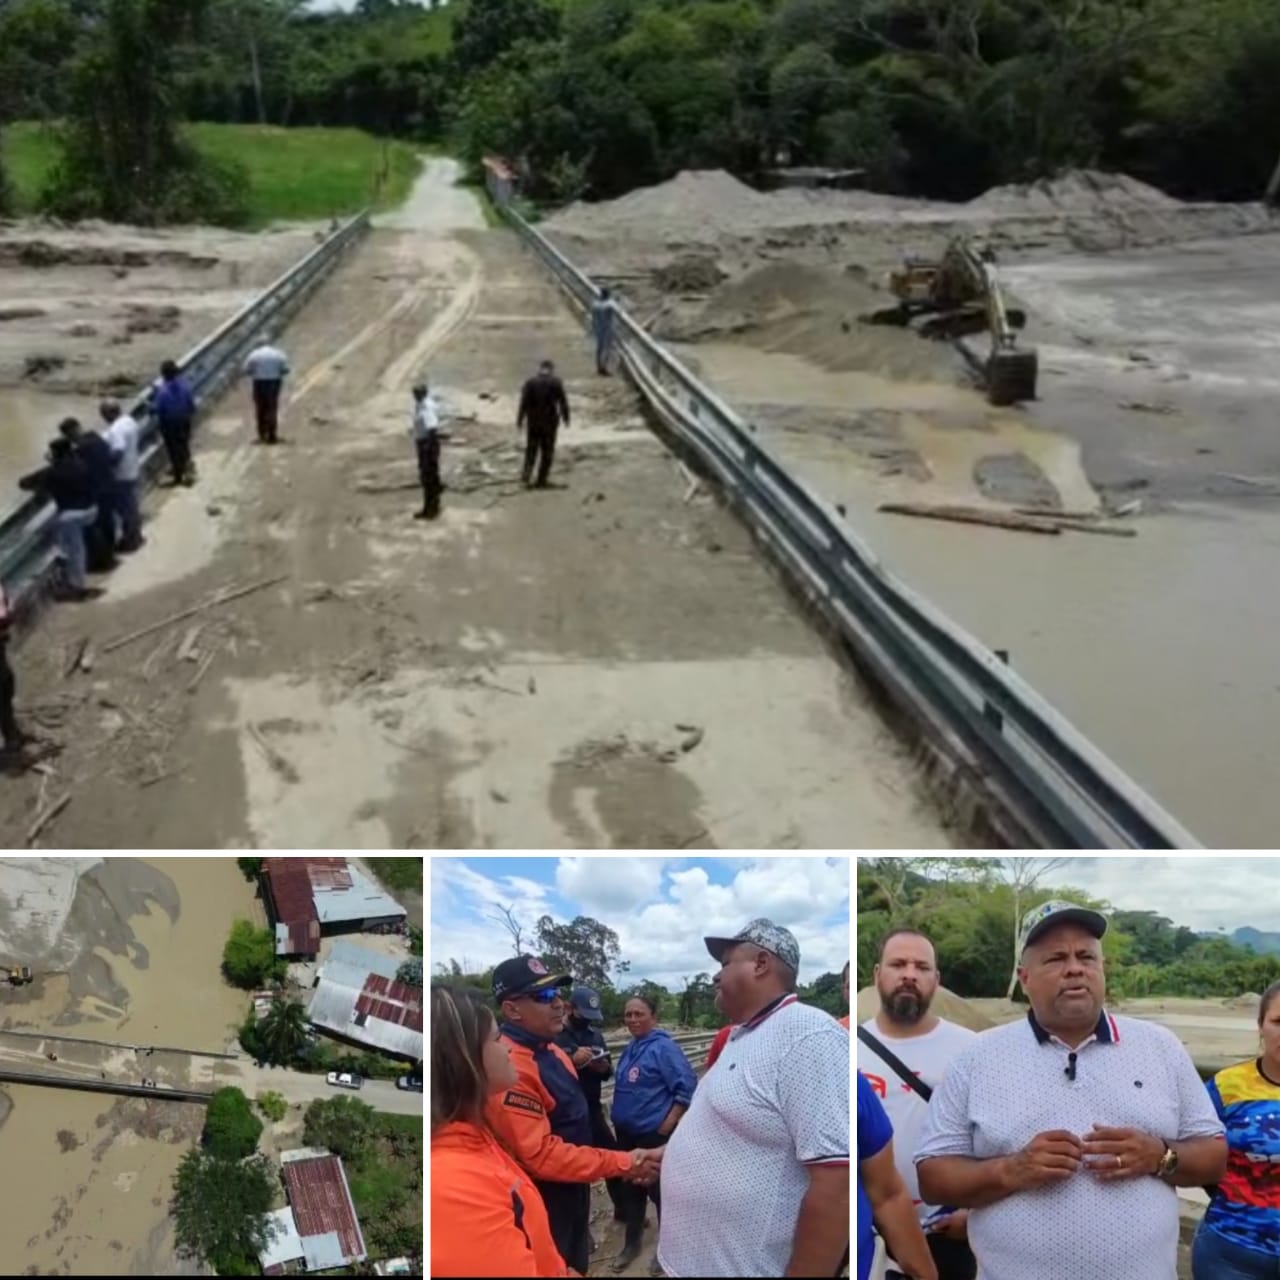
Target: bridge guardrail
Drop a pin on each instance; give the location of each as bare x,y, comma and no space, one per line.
1057,787
26,544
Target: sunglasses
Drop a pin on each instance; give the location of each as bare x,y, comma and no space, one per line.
547,996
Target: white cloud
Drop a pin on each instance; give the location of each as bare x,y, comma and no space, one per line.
661,912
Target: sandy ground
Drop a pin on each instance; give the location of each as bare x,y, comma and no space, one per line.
515,674
92,310
1140,398
436,202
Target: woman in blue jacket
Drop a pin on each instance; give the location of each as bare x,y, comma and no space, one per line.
653,1086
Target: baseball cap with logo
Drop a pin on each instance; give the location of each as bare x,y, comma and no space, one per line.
773,938
586,1004
523,974
1048,914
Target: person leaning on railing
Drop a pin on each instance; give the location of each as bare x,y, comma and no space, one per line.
1239,1237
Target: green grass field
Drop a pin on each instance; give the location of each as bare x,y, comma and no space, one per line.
293,173
398,873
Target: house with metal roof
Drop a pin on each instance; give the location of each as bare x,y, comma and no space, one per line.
319,1231
310,898
357,998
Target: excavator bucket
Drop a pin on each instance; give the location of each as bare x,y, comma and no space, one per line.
1011,375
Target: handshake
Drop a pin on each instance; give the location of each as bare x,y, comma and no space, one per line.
645,1166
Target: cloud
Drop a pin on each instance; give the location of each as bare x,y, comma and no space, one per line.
660,908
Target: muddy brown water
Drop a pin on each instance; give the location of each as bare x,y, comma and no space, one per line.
89,1194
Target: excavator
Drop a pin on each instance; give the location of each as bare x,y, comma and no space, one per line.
15,975
958,295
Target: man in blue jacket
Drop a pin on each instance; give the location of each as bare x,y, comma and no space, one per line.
175,410
654,1088
583,1041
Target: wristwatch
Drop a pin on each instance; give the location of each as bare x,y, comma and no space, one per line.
1168,1165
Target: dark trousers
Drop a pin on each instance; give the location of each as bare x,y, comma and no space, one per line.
602,1136
635,1199
539,448
176,434
106,523
569,1211
266,405
9,733
429,473
953,1258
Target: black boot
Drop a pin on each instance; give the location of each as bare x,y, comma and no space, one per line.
631,1249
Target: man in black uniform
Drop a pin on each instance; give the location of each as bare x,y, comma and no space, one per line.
583,1041
543,407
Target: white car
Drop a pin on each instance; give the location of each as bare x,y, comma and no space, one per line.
344,1079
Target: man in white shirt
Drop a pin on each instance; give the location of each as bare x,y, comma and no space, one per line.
907,980
122,436
1067,1131
755,1181
425,430
268,366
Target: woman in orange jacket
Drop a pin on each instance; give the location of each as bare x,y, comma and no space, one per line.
487,1218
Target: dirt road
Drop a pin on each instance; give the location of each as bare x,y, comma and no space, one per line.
534,669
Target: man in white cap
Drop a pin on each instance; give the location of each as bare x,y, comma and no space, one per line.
1065,1133
756,1176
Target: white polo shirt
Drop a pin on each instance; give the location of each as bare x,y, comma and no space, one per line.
735,1170
1013,1083
927,1057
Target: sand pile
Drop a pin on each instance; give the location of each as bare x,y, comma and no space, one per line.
1076,191
811,312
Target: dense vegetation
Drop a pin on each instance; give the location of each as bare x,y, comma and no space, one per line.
218,1207
231,1130
967,907
589,951
249,956
936,97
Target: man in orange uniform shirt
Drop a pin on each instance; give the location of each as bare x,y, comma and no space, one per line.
544,1119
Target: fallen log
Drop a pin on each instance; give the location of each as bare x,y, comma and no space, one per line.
972,515
224,597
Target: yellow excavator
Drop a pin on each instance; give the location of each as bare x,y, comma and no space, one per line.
958,295
16,975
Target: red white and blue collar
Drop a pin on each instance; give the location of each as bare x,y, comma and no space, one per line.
1106,1032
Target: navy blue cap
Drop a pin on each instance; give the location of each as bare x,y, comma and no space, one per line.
586,1003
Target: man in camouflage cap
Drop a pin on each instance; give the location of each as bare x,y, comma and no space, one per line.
769,1125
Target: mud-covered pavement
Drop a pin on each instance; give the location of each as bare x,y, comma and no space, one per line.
602,664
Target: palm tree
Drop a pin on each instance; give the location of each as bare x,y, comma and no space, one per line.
284,1030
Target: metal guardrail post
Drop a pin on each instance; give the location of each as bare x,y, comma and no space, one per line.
26,546
1060,789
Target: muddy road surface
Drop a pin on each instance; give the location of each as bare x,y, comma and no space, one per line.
598,664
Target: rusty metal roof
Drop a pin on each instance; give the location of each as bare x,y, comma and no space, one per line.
321,1203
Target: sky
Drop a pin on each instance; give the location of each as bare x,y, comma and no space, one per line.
660,908
1202,892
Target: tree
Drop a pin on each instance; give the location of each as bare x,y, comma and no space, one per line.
284,1031
219,1207
489,28
231,1130
1022,875
507,919
345,1126
249,957
122,156
410,972
272,1105
584,948
250,868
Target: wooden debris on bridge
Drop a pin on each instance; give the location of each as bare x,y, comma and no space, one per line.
1020,519
225,596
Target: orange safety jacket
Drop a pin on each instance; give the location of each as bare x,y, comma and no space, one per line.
522,1118
844,1022
487,1217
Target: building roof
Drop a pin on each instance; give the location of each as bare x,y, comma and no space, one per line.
368,1007
347,956
283,1242
309,893
351,897
322,1207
